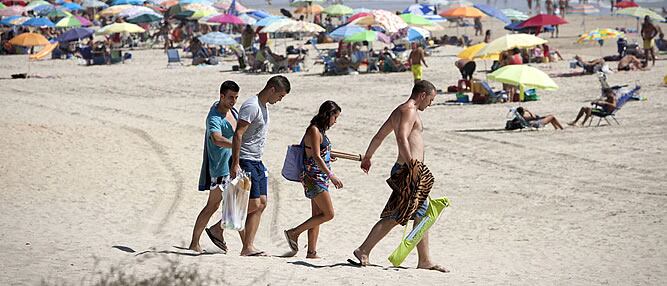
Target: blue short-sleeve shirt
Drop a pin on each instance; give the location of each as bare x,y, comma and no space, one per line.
218,157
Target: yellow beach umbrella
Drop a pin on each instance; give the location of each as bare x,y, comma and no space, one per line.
471,53
511,41
120,28
523,76
114,10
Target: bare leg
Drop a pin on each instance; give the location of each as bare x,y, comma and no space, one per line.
588,111
582,111
313,233
255,209
379,231
212,205
423,253
322,212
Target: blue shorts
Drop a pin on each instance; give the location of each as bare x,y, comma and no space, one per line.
258,177
421,211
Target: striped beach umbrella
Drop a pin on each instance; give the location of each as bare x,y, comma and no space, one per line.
368,36
515,15
338,10
598,35
583,9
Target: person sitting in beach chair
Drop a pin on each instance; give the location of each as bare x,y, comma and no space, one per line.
605,106
277,62
590,67
632,94
490,95
661,43
390,63
631,63
536,121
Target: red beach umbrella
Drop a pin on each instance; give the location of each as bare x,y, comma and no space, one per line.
541,20
358,15
626,4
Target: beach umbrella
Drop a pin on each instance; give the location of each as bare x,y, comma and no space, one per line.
199,7
72,6
249,20
43,10
598,35
58,13
493,12
640,13
258,14
75,34
120,28
540,20
458,3
509,42
218,39
416,20
93,4
361,10
11,11
145,18
300,3
345,31
416,34
127,2
338,10
462,12
389,21
514,15
226,4
29,40
114,10
18,20
34,4
418,9
626,4
296,27
134,11
270,20
68,22
435,18
583,9
226,19
523,76
2,6
470,53
368,36
38,22
14,2
7,21
200,14
356,16
310,9
84,22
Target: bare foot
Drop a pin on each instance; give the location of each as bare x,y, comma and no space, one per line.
363,258
435,267
572,124
252,252
312,255
196,248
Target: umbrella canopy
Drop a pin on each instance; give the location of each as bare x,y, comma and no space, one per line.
218,39
416,20
640,13
75,34
199,7
312,9
134,11
368,36
94,4
68,22
389,21
58,13
296,27
39,22
145,18
541,20
599,34
114,10
471,53
226,19
418,9
37,3
11,11
514,15
510,41
84,22
226,4
493,12
584,9
2,6
299,3
72,6
127,2
338,10
29,40
345,31
462,12
247,19
626,4
458,3
270,20
258,14
7,21
120,28
524,76
16,20
415,34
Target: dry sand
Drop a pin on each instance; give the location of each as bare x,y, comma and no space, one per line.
100,164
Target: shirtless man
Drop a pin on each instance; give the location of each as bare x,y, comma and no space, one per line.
407,126
603,106
416,59
648,32
630,63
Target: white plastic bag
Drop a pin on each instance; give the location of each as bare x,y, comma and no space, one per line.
235,202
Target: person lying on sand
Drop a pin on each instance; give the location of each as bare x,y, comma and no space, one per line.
537,121
603,106
591,66
631,63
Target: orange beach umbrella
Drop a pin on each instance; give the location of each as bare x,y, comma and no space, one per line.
462,12
29,40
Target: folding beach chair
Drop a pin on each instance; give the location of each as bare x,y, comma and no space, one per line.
390,66
277,66
493,96
619,104
116,56
173,57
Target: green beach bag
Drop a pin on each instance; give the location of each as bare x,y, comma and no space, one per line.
435,208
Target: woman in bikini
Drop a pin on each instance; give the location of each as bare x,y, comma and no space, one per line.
315,178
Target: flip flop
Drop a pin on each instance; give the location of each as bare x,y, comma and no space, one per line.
359,264
219,243
257,253
293,245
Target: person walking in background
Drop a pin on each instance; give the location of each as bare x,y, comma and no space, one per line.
214,175
417,57
247,150
315,178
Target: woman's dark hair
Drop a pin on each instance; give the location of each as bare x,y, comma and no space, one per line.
520,110
327,110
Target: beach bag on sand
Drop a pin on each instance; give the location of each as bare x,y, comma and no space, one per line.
435,208
235,202
293,165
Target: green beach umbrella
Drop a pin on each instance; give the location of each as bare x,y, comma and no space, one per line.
300,3
523,76
514,15
2,6
415,20
338,10
368,36
144,18
640,13
68,22
58,13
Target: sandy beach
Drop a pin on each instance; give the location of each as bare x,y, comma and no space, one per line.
99,168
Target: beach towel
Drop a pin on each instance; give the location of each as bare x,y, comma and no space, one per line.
408,243
204,173
410,186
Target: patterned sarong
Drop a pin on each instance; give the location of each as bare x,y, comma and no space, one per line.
410,188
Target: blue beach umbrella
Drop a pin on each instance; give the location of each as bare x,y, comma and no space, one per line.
126,2
7,21
259,14
218,39
417,34
493,12
43,10
269,20
72,6
345,31
418,9
38,22
75,34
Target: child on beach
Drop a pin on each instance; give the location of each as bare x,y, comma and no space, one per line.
315,178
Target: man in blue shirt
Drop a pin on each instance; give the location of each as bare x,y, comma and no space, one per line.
214,176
